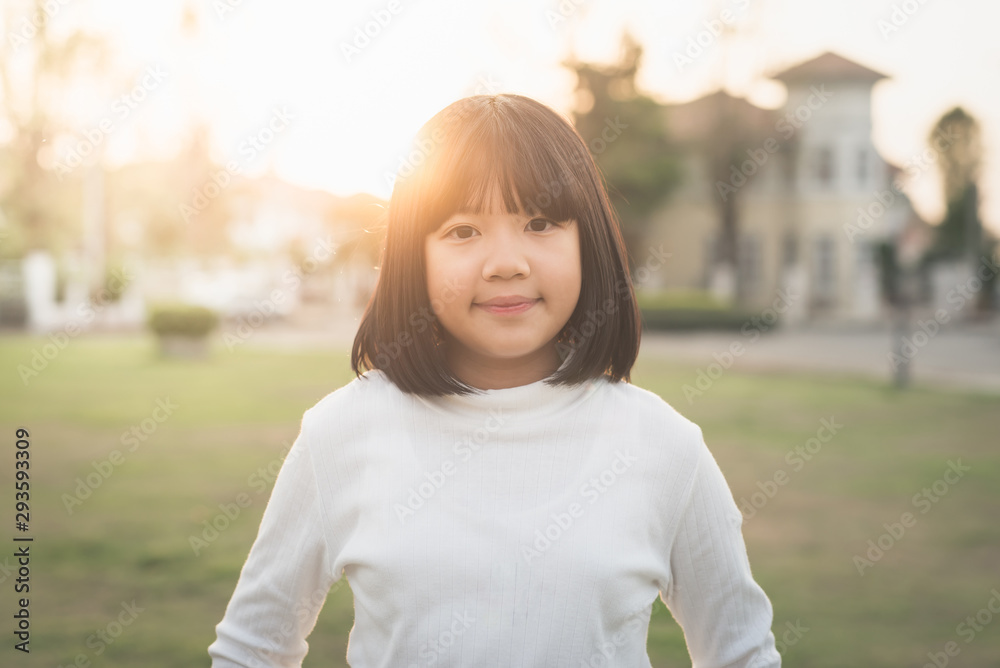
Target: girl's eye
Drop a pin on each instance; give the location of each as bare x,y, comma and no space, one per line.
544,221
455,232
452,232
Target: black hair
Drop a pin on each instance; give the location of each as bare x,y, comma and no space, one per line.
543,167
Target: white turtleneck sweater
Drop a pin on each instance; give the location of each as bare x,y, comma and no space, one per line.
527,526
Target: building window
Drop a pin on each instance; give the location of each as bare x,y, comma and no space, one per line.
788,165
862,166
864,255
789,250
710,252
824,165
826,268
749,264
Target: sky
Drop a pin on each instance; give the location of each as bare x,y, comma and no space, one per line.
299,89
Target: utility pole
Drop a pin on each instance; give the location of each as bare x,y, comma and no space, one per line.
972,236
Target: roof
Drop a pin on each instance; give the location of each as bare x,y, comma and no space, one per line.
828,67
699,119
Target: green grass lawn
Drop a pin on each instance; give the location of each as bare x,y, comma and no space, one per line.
235,413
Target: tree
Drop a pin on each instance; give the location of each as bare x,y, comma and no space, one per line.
957,140
725,149
733,133
960,161
42,209
626,133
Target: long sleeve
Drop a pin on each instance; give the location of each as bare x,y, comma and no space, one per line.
725,615
286,577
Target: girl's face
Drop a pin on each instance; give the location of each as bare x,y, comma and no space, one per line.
473,260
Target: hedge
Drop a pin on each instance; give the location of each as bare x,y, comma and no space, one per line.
182,319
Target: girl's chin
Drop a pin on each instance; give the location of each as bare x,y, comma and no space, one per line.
513,354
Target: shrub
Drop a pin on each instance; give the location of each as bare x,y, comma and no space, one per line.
688,310
179,319
680,299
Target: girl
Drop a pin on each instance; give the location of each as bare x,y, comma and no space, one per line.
494,488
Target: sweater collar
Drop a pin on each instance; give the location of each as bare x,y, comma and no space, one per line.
524,402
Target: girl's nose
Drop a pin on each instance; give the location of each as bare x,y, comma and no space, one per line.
506,258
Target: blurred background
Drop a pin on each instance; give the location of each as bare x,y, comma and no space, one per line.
191,201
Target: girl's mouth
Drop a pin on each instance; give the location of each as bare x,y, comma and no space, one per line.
508,310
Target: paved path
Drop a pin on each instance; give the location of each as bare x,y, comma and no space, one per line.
961,357
958,356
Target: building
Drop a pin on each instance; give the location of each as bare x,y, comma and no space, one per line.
809,195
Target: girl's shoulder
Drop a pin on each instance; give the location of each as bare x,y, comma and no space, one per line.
358,399
651,430
642,403
647,417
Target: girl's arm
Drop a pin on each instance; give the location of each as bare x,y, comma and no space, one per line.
286,577
725,615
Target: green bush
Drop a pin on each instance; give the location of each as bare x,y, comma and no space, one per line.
688,310
182,319
700,300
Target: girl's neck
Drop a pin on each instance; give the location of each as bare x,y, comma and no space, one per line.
497,374
532,401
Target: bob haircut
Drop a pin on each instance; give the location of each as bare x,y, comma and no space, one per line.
535,157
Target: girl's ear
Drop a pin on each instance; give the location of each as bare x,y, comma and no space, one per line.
436,331
564,335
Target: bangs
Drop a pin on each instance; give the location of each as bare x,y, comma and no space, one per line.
502,165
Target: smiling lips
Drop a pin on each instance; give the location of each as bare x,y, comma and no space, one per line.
507,305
